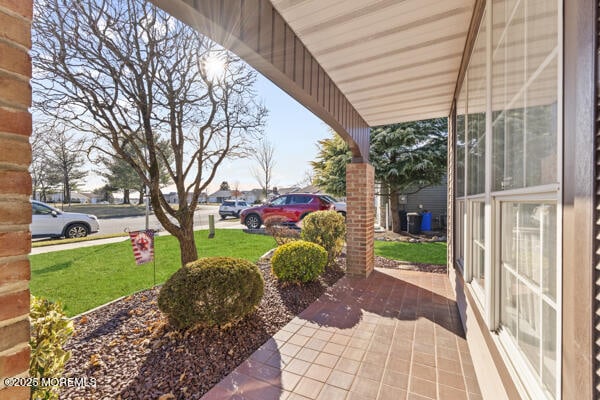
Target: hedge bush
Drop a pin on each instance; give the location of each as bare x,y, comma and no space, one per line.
282,231
298,262
327,229
50,331
212,291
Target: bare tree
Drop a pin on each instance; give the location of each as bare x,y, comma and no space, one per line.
133,76
264,156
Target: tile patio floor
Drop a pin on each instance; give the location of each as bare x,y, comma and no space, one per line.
396,335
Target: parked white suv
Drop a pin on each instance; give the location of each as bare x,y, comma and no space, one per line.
47,221
339,206
232,208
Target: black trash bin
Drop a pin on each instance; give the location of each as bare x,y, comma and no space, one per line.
403,221
414,222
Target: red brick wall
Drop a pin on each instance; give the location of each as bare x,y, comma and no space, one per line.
15,189
360,220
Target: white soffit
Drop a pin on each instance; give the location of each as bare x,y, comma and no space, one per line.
395,60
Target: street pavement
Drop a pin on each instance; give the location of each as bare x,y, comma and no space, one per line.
129,224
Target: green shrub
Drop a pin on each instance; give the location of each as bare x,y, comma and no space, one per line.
50,330
213,291
281,230
298,261
327,229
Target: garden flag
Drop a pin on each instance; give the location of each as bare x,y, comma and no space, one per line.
143,246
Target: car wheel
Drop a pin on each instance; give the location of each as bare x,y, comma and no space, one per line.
237,214
222,216
253,221
76,231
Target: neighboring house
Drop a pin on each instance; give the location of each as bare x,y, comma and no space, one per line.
76,197
93,198
252,196
173,198
433,199
219,196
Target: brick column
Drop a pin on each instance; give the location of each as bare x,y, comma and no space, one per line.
15,189
360,219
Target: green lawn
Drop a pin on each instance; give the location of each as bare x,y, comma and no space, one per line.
425,253
88,277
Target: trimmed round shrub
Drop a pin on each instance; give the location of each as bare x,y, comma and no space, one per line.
298,261
327,229
212,291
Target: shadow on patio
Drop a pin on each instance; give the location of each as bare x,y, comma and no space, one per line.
396,335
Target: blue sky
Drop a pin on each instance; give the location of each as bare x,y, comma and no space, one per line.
291,128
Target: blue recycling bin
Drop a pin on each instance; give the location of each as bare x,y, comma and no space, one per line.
426,221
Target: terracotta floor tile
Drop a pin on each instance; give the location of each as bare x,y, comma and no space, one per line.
450,393
353,354
423,372
297,366
449,365
399,365
329,392
289,380
307,354
347,365
306,331
406,342
391,393
308,387
298,340
340,379
334,348
375,358
423,387
315,344
289,349
318,372
366,388
328,360
424,358
371,371
451,379
340,339
395,379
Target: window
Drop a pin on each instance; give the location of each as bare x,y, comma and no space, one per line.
460,231
478,243
299,199
528,303
476,108
279,201
39,209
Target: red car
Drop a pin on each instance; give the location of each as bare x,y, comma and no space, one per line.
293,207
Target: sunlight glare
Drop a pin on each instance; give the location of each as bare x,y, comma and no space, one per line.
214,67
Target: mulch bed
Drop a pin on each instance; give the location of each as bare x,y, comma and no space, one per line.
133,353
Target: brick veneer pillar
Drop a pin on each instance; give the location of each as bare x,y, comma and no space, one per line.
15,189
360,220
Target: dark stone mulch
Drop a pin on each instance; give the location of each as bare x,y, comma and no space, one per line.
133,353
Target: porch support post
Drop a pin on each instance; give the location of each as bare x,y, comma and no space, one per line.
15,189
360,219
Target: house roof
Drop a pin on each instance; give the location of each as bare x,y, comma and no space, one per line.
220,193
394,60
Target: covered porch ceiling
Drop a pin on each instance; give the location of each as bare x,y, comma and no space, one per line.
394,60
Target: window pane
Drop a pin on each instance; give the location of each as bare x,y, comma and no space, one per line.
478,244
460,143
540,121
476,107
508,302
549,347
528,272
528,325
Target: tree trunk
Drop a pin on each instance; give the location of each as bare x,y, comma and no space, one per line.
142,195
395,211
187,242
126,196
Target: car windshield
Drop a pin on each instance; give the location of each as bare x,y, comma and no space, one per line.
228,203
